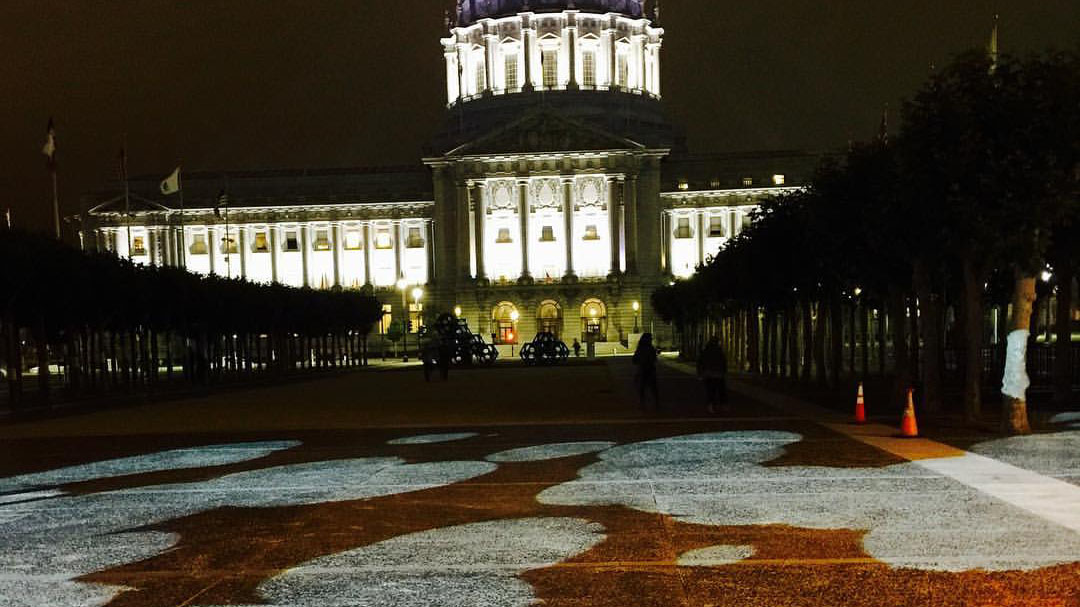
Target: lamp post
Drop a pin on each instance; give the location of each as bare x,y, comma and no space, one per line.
401,284
418,294
637,310
514,316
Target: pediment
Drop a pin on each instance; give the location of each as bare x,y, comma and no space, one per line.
133,204
544,131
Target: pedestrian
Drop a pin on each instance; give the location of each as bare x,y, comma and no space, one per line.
577,348
712,371
428,358
445,356
645,360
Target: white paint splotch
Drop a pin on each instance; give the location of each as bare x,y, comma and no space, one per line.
461,566
47,543
175,459
913,517
715,556
541,453
1056,455
431,439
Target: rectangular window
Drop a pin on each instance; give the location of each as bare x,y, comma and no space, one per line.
682,229
716,226
622,68
747,181
588,68
138,246
292,241
383,240
504,236
547,234
198,244
550,61
779,179
229,245
512,72
387,318
591,233
354,239
416,240
322,240
262,244
481,76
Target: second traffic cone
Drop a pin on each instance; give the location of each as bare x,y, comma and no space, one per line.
860,407
909,428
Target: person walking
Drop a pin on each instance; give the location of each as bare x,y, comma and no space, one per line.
446,353
645,360
577,348
712,371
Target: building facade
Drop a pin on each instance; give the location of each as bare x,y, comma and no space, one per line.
557,197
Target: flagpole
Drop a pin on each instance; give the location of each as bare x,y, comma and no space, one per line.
55,201
127,196
183,236
228,237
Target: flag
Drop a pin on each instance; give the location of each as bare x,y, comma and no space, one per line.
171,185
222,203
49,149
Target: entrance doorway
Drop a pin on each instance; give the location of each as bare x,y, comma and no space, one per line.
593,321
549,319
504,319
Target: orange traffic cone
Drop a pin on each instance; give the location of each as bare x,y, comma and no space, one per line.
908,426
860,407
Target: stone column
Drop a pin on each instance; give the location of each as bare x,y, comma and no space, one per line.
213,246
335,231
273,230
528,34
429,249
399,249
631,225
613,221
452,80
701,237
242,248
367,254
476,193
465,232
613,55
305,243
463,69
490,40
523,212
568,216
571,34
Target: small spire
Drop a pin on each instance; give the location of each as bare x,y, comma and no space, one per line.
992,49
656,11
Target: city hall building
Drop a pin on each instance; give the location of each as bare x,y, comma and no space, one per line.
557,196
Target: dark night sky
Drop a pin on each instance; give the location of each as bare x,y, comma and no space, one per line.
327,83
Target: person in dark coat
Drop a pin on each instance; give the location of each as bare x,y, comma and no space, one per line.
645,360
577,348
712,371
446,353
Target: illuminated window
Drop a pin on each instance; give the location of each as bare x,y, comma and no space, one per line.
512,72
746,221
383,240
779,179
138,246
550,61
481,76
714,184
416,240
198,244
292,241
229,245
354,239
622,70
588,68
387,318
547,234
682,228
591,233
716,226
747,181
262,244
504,236
416,315
684,185
322,240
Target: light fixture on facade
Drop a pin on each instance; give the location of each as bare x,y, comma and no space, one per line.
457,311
683,185
779,179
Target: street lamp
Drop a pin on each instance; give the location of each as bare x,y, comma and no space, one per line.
457,311
403,285
637,310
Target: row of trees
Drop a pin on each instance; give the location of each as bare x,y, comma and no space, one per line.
979,195
93,323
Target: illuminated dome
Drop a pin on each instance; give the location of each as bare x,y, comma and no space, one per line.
470,11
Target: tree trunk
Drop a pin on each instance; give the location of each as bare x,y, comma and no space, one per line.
864,318
836,323
808,342
930,310
819,344
753,342
901,370
973,340
41,343
883,321
1014,417
1063,347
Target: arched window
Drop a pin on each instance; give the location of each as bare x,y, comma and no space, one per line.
549,318
504,319
593,320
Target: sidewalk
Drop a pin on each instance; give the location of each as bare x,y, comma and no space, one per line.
1048,498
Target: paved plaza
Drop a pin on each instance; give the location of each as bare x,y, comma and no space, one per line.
377,489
